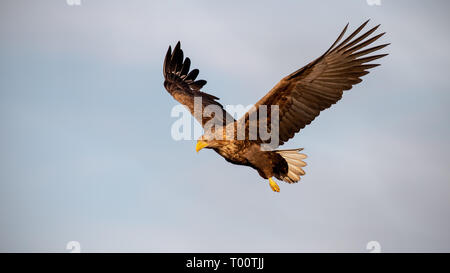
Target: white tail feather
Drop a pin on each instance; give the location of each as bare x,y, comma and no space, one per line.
295,163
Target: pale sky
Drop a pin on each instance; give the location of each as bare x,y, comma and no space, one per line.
87,153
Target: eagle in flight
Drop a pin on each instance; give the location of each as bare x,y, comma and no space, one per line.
297,100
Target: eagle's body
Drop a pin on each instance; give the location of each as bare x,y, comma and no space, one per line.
234,151
244,152
299,98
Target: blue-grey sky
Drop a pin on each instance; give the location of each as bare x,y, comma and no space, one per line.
87,154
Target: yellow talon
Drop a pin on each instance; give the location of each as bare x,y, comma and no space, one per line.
274,185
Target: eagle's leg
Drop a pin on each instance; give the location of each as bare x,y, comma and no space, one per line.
274,185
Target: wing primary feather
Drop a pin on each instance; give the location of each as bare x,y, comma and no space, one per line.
166,61
360,38
368,59
338,39
197,85
353,34
363,44
179,64
369,50
192,75
177,58
186,66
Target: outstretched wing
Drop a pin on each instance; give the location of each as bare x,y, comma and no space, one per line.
302,95
181,84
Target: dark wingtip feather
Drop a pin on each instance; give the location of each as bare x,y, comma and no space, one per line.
352,35
192,75
338,39
369,58
166,61
348,43
175,52
346,26
177,46
186,66
197,85
177,58
364,44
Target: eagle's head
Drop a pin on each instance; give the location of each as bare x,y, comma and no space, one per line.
209,142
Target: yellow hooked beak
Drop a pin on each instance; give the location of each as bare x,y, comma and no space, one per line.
200,145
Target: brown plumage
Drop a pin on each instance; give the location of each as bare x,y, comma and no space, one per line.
300,97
